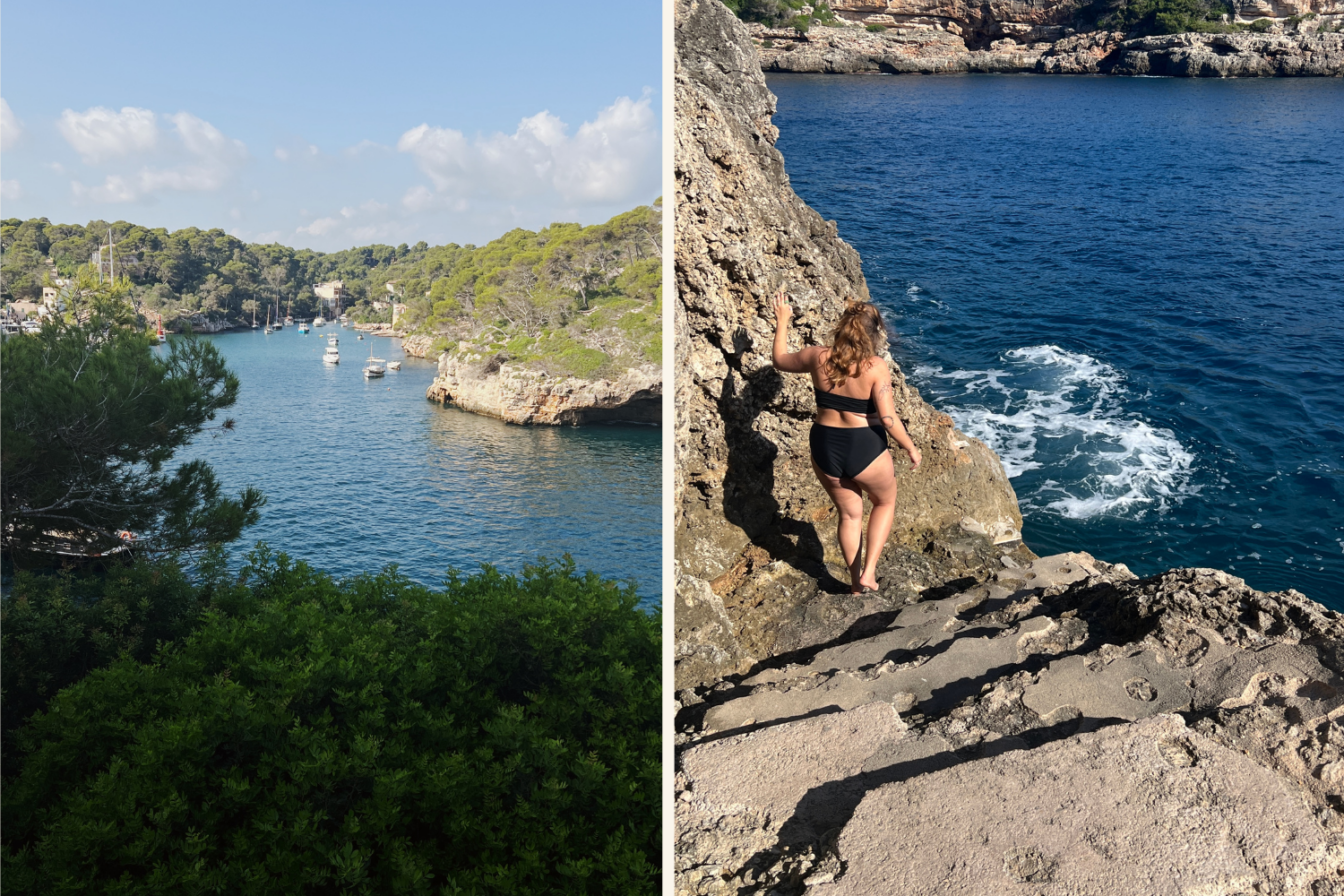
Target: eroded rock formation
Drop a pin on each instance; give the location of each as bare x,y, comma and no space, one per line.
746,495
1030,46
521,394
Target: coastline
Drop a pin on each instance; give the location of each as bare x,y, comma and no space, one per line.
989,719
1028,48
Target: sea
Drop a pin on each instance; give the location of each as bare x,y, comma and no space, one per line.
1132,289
360,474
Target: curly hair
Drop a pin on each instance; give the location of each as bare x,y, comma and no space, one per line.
861,334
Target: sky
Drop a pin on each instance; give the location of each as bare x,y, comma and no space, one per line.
330,125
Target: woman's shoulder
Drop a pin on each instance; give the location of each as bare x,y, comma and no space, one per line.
876,368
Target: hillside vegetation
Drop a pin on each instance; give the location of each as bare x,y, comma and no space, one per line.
572,299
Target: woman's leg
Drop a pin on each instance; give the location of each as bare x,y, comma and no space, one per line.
879,481
849,504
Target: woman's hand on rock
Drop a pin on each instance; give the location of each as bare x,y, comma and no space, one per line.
915,457
783,311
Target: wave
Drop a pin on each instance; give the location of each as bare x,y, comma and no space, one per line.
1070,416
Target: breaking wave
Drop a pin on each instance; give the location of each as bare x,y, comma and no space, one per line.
1066,415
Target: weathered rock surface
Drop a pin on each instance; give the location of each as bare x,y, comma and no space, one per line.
982,23
1032,47
1062,725
520,394
750,516
417,346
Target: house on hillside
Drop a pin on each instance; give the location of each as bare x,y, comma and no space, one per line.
331,294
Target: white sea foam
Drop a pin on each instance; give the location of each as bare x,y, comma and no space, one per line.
1069,414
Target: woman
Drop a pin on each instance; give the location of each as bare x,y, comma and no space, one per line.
855,413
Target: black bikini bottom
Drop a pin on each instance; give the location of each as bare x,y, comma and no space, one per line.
845,452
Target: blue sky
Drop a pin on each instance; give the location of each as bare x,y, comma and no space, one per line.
330,125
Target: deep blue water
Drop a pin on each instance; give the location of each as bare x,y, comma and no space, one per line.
362,473
1132,289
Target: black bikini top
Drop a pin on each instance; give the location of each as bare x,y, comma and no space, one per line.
845,403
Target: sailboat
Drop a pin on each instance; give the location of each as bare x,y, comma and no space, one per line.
267,331
289,318
254,317
374,366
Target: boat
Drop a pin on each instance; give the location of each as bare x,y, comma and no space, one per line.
374,366
319,321
254,317
332,355
393,365
303,326
268,329
162,337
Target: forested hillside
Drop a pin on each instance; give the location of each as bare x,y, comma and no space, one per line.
577,299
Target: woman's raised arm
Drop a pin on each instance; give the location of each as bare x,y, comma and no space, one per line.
781,357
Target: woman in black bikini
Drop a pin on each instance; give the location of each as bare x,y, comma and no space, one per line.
855,414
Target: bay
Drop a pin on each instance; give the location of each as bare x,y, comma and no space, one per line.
359,474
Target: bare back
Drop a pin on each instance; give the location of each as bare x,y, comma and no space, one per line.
862,385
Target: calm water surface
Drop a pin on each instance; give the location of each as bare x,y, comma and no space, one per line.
362,473
1132,289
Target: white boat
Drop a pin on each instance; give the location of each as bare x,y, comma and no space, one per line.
374,366
393,365
319,321
303,326
332,355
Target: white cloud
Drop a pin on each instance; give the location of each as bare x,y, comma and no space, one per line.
206,161
320,226
611,159
282,154
11,129
10,189
100,134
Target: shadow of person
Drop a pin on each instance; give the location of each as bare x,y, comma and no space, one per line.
749,479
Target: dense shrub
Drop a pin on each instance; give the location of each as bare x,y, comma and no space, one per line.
55,629
369,736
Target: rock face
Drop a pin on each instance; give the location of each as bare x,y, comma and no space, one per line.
1033,47
520,394
417,346
1062,725
982,23
748,506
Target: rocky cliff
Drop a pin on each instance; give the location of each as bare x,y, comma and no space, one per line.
988,720
1029,44
748,506
521,394
982,23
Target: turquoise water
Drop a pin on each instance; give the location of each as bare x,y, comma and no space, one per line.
1132,289
362,473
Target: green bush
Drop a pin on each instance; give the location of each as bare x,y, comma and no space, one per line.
800,23
1261,26
877,29
369,736
55,629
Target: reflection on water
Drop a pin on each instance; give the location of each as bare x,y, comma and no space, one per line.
362,473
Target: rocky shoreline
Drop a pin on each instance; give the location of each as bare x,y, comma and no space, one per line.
521,394
988,720
1044,49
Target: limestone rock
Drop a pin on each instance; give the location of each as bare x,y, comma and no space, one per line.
521,394
974,40
744,477
1025,731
